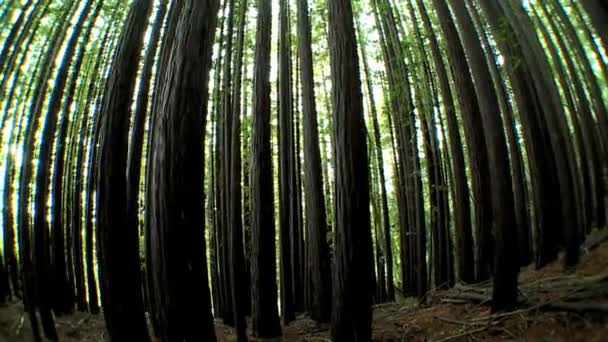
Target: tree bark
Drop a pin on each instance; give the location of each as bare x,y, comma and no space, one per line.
118,254
265,319
177,243
318,258
506,268
352,283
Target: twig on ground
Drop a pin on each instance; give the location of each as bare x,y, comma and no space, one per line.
455,321
463,334
20,325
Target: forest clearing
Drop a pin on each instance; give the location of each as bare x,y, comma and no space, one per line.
303,170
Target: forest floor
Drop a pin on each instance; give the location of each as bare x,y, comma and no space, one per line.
556,305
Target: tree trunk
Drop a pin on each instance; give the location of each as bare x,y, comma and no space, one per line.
265,321
469,107
118,253
506,267
351,311
318,259
177,243
237,255
460,200
38,265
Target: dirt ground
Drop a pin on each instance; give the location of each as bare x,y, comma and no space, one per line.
406,320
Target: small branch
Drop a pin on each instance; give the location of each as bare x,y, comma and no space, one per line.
455,321
464,334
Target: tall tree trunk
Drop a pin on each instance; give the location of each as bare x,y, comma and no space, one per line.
8,220
386,224
469,107
36,265
118,253
318,259
286,171
460,200
351,311
520,29
237,255
517,172
506,267
135,151
177,243
224,154
48,134
265,320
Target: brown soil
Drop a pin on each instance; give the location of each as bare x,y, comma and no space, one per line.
406,320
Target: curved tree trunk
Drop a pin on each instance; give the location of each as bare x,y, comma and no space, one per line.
36,270
460,200
505,243
177,243
118,253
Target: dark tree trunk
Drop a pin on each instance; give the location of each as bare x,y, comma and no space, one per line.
423,90
265,320
225,155
135,151
460,200
469,107
318,258
506,267
521,30
118,254
588,78
409,196
216,176
352,284
80,210
237,255
385,221
177,243
8,220
37,268
286,170
517,171
89,214
42,184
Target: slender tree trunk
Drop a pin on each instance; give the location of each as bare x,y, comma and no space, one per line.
11,170
386,224
37,266
237,255
460,200
318,258
265,320
506,269
225,156
286,191
134,158
469,107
